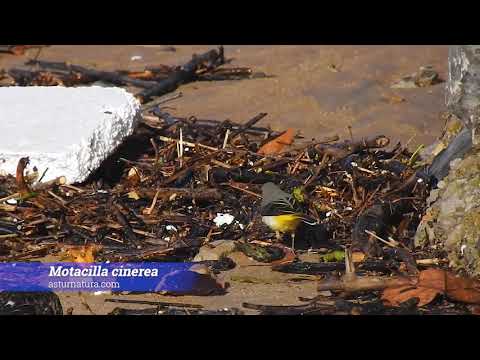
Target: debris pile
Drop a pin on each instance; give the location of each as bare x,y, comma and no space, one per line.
199,181
182,185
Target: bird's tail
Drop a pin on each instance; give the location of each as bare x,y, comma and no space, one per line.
308,220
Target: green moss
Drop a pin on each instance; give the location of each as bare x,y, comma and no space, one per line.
456,228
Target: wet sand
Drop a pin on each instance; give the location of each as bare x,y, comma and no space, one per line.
304,94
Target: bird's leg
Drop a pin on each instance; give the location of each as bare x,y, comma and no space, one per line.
293,241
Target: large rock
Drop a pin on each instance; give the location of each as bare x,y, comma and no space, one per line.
70,131
452,220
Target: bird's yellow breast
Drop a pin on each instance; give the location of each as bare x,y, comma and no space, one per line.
283,223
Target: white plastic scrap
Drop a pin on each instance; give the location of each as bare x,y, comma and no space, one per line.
136,57
241,226
69,130
223,219
171,228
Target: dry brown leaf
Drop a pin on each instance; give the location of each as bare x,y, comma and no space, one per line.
133,176
276,145
83,254
397,295
462,289
431,283
133,195
358,256
432,278
475,310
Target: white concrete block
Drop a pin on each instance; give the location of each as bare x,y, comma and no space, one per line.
70,131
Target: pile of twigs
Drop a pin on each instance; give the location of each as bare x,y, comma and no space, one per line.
163,202
157,197
153,81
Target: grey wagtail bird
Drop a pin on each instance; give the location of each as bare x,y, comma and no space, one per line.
279,212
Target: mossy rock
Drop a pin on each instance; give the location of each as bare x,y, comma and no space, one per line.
452,219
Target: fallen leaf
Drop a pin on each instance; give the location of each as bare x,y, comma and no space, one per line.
83,254
133,195
289,257
462,289
334,256
299,195
398,295
432,278
265,254
133,176
475,310
276,145
430,283
358,256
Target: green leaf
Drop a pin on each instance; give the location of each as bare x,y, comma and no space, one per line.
299,195
334,256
